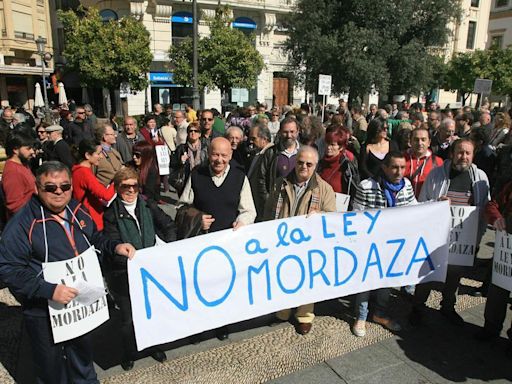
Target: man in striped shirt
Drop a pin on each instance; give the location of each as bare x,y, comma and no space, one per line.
462,183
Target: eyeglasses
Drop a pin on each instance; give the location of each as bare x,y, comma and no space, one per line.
137,155
52,188
193,131
206,119
306,163
126,187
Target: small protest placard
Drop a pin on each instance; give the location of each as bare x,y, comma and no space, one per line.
342,202
463,235
163,159
502,261
76,319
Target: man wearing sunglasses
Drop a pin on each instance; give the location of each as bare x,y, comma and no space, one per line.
302,192
80,128
206,124
52,227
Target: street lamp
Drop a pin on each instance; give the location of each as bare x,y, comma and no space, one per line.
41,43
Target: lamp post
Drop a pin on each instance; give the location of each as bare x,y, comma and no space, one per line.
195,56
41,43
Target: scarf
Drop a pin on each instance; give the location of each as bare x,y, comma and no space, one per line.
391,190
194,155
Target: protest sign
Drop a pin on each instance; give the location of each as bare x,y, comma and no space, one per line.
75,319
463,235
342,201
163,159
502,261
193,285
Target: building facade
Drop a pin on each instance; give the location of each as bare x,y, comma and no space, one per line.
21,23
171,21
500,24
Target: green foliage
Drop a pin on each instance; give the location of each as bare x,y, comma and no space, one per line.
106,53
361,43
227,58
494,64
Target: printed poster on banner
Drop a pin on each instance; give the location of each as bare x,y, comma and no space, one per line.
230,276
163,159
502,261
76,319
463,235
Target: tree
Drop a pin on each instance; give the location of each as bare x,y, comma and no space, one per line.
227,58
108,53
494,64
365,43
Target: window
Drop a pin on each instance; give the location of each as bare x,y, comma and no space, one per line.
475,3
497,41
108,14
501,3
182,27
470,43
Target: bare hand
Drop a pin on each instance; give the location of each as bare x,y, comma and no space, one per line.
64,294
184,158
207,221
499,224
444,198
125,249
237,225
311,213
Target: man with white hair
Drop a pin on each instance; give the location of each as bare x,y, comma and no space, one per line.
302,192
60,150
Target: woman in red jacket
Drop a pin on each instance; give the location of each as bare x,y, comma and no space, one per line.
86,187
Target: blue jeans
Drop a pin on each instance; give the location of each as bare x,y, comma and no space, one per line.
381,303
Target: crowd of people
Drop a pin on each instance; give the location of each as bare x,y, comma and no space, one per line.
79,183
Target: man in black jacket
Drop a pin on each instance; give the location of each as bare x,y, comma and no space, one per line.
60,150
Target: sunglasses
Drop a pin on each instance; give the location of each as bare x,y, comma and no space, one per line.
126,187
137,155
41,131
206,119
306,163
52,188
193,131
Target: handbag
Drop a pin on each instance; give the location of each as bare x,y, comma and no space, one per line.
177,179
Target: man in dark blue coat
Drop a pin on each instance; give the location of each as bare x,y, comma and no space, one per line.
52,227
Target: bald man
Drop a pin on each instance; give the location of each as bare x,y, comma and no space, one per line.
222,193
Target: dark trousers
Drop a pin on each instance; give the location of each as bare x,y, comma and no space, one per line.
449,289
67,362
496,309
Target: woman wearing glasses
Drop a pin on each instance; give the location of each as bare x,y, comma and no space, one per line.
144,160
188,156
86,187
140,223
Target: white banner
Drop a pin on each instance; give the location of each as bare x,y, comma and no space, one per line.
502,261
197,284
463,235
74,319
163,159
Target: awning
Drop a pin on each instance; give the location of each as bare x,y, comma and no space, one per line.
244,23
182,17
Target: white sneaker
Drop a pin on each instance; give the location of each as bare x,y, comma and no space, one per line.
359,328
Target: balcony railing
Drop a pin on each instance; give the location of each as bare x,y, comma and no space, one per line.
24,35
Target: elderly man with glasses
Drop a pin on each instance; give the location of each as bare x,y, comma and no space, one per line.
302,192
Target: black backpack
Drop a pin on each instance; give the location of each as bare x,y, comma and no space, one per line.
350,176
